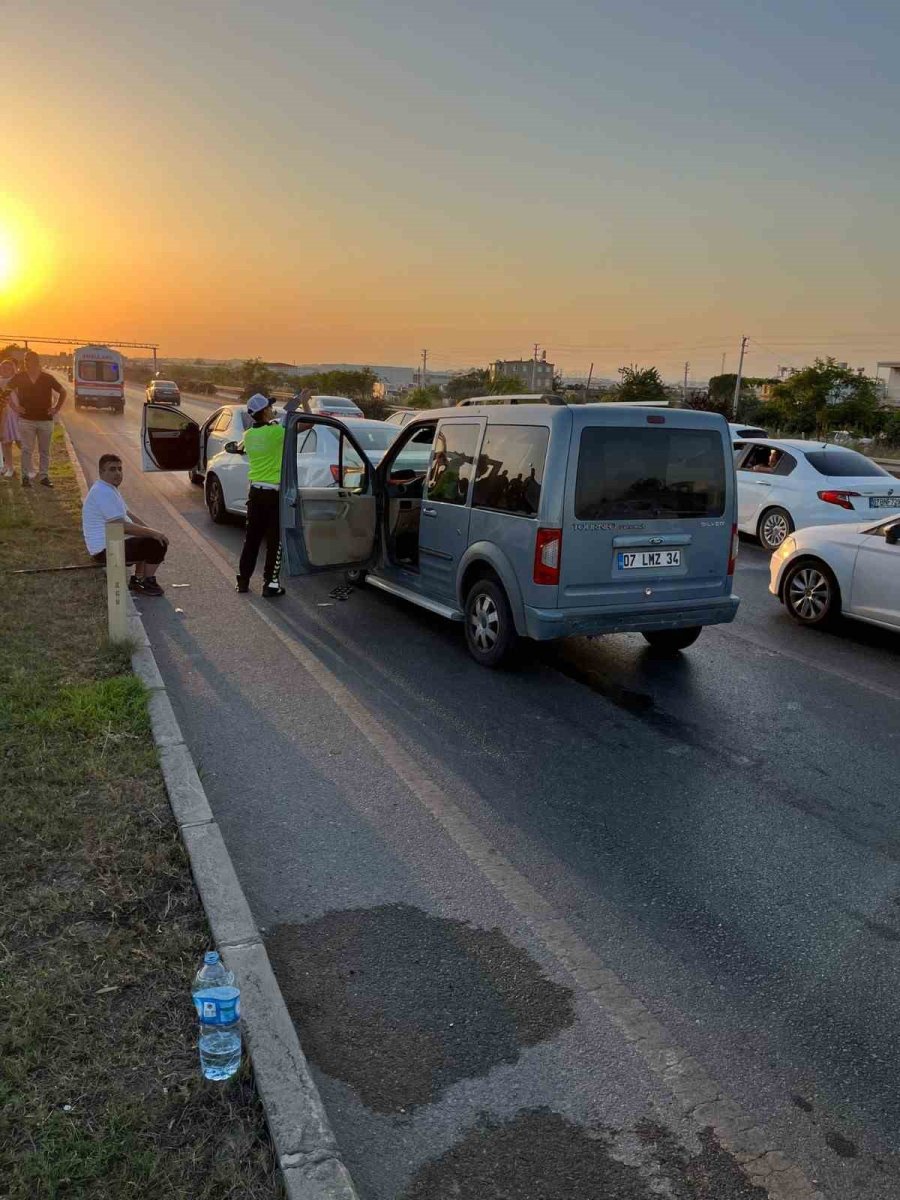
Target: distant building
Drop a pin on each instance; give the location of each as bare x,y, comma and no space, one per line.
891,383
521,368
284,368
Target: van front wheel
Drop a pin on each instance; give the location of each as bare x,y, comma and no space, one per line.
670,641
490,632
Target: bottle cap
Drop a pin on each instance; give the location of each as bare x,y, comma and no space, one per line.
210,957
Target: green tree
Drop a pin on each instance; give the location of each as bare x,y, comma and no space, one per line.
505,385
255,376
640,385
824,396
424,397
468,383
357,385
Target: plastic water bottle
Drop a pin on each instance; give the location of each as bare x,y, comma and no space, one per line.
218,1005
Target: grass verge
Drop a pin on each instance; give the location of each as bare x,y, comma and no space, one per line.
100,925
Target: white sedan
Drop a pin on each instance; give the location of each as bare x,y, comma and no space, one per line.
788,485
818,574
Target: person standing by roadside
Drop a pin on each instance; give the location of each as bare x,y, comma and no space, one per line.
33,391
145,548
264,444
9,421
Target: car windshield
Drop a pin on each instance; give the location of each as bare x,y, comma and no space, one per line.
374,437
843,464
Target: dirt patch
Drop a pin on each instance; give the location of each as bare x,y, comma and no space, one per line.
542,1156
401,1004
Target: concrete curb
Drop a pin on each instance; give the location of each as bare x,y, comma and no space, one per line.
305,1146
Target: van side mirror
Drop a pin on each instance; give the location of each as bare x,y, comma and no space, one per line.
232,448
892,535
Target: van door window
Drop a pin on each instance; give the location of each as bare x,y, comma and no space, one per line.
451,462
626,473
511,469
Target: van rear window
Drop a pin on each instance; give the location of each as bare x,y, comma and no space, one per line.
511,469
625,473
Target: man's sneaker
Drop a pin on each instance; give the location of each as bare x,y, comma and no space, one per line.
8,473
272,588
134,584
45,482
26,482
148,586
242,585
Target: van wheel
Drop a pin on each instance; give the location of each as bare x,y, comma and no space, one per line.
215,501
490,633
670,641
774,526
355,576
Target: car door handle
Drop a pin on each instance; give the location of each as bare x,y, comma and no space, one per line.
762,483
429,512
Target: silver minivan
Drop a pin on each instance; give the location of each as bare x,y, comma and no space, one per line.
527,521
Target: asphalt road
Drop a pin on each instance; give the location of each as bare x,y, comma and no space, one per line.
422,840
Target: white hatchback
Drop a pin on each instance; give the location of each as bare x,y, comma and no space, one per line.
788,485
818,574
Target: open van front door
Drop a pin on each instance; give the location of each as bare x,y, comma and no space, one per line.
170,440
327,528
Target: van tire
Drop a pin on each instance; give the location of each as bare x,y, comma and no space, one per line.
490,632
670,641
774,526
355,576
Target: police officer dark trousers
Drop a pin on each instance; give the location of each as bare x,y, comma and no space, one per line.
263,446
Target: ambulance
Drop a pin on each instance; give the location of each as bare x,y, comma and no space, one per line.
98,378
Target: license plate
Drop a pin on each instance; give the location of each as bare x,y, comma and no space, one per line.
884,502
642,560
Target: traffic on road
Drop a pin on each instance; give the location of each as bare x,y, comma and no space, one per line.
712,828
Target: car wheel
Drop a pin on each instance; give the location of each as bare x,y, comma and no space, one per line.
670,641
215,501
490,633
355,575
119,409
774,526
811,593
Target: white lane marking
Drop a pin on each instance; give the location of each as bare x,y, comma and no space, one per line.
700,1097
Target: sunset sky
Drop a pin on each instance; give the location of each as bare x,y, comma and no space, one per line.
617,180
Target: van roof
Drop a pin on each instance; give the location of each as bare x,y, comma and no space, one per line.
580,415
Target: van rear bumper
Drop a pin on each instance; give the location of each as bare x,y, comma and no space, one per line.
545,624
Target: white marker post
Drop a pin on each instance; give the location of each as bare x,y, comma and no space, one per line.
116,583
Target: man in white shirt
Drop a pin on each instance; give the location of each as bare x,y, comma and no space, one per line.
144,548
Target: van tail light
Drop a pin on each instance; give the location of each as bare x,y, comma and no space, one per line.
547,555
335,473
735,546
842,499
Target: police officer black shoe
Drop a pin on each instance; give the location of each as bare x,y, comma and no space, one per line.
242,585
272,588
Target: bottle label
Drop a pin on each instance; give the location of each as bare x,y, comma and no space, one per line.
218,1006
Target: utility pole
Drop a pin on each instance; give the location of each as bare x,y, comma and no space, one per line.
740,372
722,371
684,387
533,365
587,389
424,368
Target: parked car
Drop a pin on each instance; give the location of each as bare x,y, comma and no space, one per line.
163,391
525,398
539,521
402,416
788,485
853,570
220,466
333,406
